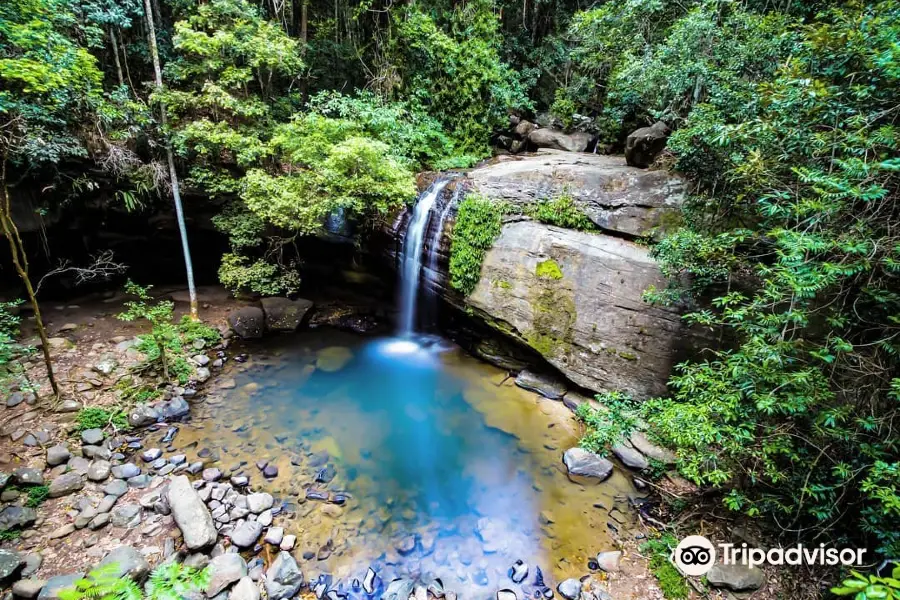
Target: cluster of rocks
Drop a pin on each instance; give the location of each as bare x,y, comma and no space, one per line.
273,314
526,135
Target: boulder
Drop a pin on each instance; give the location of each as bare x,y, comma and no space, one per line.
16,517
643,145
576,298
57,584
609,561
524,128
58,455
630,457
248,322
736,577
542,384
143,415
555,139
616,197
582,463
284,578
10,562
128,563
224,570
66,484
92,437
245,589
570,589
246,534
283,314
28,588
175,408
190,514
28,476
643,445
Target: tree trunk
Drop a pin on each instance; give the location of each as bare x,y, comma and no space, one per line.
173,175
20,261
115,53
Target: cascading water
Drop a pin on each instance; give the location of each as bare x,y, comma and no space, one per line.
435,245
411,260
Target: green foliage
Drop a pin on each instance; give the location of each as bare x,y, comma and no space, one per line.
100,418
870,587
10,348
36,495
456,71
478,223
548,269
10,535
168,581
608,425
561,211
191,331
238,273
164,346
671,583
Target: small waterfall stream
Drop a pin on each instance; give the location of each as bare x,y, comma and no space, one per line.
411,259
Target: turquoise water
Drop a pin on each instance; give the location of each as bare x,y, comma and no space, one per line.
446,469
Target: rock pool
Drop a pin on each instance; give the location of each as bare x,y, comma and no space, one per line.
446,468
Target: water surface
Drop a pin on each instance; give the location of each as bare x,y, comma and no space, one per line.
449,469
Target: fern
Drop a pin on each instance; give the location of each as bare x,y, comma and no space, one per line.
174,581
103,583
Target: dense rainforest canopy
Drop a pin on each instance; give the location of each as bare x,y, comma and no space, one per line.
784,117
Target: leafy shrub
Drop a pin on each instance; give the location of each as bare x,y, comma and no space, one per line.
168,581
870,587
561,211
100,418
608,425
478,223
191,331
241,274
36,495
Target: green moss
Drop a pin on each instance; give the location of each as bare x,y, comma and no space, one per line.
98,418
548,269
478,223
628,355
561,211
671,583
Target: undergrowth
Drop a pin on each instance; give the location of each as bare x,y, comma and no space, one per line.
478,223
100,418
671,582
561,211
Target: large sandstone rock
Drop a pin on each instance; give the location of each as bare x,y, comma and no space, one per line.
191,514
283,314
614,196
576,299
555,139
643,145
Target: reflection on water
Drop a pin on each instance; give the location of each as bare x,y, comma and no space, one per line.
451,471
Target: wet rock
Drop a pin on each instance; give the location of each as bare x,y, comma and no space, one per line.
126,516
274,536
609,561
518,572
284,578
92,437
225,570
643,145
325,474
399,589
151,455
28,588
128,563
246,534
259,502
247,322
202,375
493,535
57,584
270,472
630,457
371,582
10,562
211,474
58,455
406,545
126,471
737,577
506,594
282,314
582,463
288,542
544,385
191,515
65,484
312,494
175,408
570,589
244,589
143,415
28,476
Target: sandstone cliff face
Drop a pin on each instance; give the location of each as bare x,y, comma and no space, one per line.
574,297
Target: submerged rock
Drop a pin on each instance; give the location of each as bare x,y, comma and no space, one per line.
284,578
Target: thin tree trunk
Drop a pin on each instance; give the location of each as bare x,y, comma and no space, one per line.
115,52
173,175
20,261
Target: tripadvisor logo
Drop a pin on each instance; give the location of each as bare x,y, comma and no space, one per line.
695,555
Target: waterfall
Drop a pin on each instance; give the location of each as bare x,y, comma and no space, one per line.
411,258
434,248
